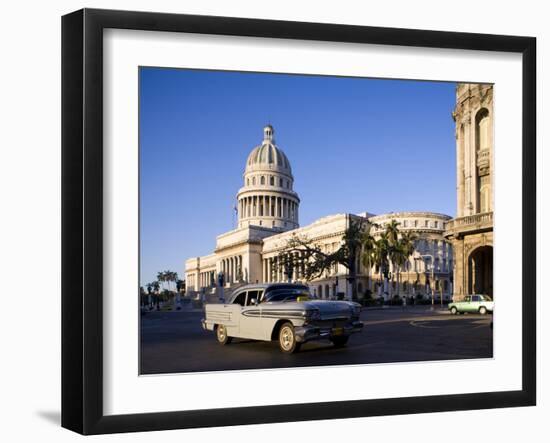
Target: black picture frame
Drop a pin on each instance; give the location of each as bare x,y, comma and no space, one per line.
82,215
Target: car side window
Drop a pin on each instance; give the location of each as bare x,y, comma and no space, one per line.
466,299
240,299
475,298
252,295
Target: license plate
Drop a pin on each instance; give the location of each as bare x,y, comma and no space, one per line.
337,331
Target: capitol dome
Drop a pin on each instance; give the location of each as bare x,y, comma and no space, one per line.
267,198
268,153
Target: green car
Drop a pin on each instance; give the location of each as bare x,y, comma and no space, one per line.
476,303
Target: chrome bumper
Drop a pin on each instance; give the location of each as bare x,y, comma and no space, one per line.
309,332
207,326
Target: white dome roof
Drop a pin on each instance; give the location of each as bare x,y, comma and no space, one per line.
268,154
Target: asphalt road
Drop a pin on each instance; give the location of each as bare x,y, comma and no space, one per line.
174,342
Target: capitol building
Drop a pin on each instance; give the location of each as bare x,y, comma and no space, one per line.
268,216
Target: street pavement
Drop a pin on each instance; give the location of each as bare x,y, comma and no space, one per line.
174,342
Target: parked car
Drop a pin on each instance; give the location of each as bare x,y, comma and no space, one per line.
479,303
286,313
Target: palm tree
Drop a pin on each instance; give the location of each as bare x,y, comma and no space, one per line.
149,291
394,252
156,287
406,249
161,278
368,250
392,229
399,258
380,257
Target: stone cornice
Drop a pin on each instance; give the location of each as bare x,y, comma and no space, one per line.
405,214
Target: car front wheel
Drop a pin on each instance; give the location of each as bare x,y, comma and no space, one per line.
483,310
287,339
221,335
454,311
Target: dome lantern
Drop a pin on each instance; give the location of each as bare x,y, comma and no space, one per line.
268,134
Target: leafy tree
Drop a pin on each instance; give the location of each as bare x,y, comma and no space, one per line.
314,262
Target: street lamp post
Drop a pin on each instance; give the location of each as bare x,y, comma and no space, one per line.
432,282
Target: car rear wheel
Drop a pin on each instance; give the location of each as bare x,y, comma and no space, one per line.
483,310
287,339
454,311
340,341
221,335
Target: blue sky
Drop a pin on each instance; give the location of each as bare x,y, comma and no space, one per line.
354,145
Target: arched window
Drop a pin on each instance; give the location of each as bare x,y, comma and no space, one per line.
253,180
320,291
262,180
482,130
281,182
483,143
247,182
272,181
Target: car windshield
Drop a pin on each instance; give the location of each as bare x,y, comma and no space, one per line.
486,298
287,294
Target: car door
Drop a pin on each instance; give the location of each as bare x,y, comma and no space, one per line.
476,303
466,304
251,317
235,309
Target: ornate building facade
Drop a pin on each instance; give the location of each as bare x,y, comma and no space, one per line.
471,232
268,216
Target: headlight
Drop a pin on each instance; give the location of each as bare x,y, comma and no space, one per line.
312,314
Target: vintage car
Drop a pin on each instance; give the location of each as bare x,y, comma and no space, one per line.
476,303
284,312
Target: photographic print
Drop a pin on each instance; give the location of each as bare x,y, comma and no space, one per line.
303,220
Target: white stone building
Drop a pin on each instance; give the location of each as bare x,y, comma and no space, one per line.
268,216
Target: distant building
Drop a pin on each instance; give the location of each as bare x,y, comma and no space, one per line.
471,232
268,216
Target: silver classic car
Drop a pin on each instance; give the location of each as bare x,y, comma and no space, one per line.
284,312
